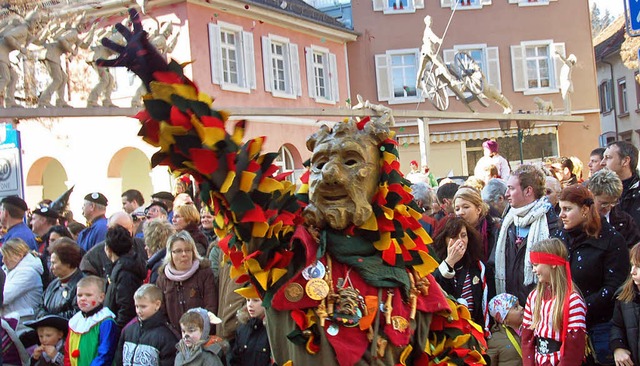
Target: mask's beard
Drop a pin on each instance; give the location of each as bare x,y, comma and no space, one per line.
338,217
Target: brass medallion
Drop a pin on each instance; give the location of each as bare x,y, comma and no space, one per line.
317,289
293,292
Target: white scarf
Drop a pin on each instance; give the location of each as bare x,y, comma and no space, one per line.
533,215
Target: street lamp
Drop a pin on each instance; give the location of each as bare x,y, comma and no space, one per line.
522,126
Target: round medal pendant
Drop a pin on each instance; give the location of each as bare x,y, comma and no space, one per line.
317,289
316,270
333,330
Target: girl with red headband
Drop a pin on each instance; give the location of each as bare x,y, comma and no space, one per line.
554,328
599,261
625,335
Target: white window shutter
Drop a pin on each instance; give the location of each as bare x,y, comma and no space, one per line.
248,60
266,62
383,77
448,56
419,4
493,67
514,1
333,78
311,78
445,3
485,2
378,5
214,53
518,71
557,62
295,69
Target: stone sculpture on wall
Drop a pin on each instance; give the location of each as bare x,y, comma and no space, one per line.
65,42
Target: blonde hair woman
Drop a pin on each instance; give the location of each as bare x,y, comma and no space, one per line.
187,217
468,204
23,285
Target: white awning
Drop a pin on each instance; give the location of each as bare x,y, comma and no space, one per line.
470,135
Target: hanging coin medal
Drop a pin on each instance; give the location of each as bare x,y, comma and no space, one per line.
316,270
317,289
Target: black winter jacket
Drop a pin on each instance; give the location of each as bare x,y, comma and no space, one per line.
453,286
147,342
127,275
60,299
95,261
251,346
598,267
625,332
154,263
625,225
630,200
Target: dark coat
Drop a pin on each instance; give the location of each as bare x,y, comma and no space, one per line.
60,299
251,346
147,342
154,263
490,227
453,286
95,261
625,225
630,200
514,261
201,241
127,275
197,291
625,332
598,267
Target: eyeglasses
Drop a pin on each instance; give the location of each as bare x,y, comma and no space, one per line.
608,204
181,251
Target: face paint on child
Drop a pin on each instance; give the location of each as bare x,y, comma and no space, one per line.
191,335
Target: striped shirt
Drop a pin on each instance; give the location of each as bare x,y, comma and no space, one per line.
467,294
577,316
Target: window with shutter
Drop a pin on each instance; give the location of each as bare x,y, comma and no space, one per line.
530,2
396,76
322,77
464,4
281,67
536,67
231,51
397,6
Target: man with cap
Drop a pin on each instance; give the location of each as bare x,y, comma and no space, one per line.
42,219
167,199
12,210
93,209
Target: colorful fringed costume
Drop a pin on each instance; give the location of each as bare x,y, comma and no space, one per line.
335,294
92,339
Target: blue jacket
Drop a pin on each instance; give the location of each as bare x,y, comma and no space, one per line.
23,232
94,234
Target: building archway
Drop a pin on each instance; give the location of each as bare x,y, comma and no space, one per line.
46,178
289,160
130,168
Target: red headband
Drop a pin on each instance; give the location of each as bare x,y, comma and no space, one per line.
556,260
547,258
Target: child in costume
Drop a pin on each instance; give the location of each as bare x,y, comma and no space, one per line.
196,347
504,343
148,340
52,330
625,334
554,325
251,347
93,332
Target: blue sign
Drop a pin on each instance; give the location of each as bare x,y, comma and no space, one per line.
10,162
632,15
